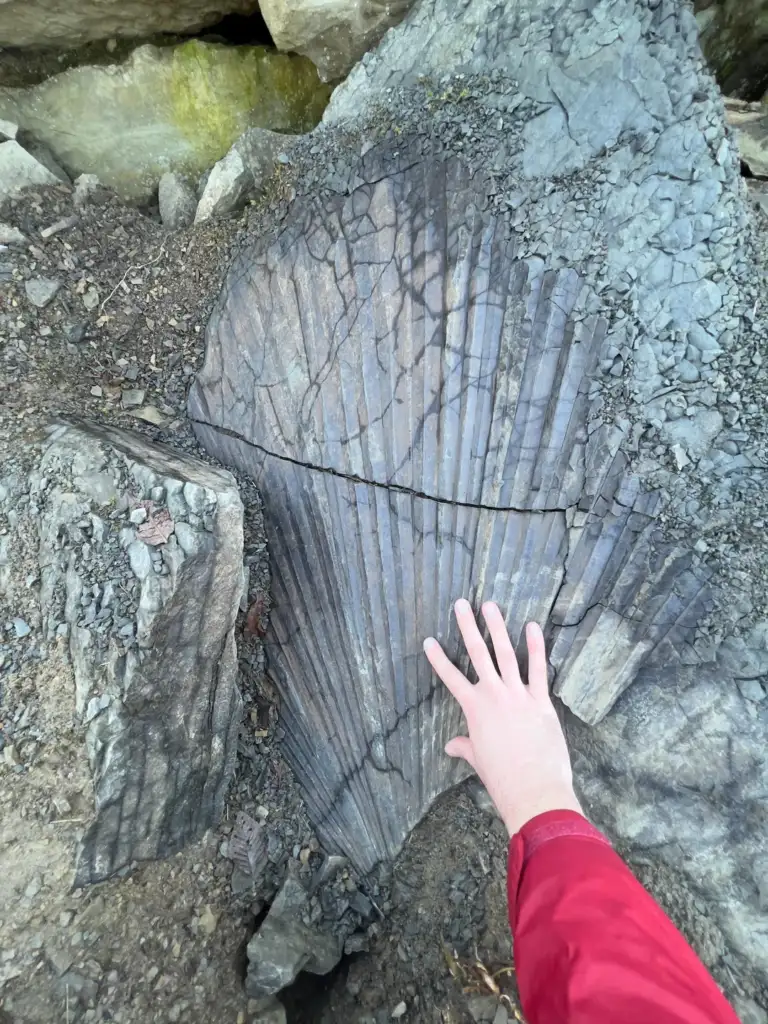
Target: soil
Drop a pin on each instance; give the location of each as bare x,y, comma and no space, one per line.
166,941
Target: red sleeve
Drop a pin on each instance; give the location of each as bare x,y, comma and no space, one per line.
591,946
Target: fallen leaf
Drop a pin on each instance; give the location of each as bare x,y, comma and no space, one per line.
254,626
157,529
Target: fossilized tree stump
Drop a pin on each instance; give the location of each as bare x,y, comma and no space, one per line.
412,399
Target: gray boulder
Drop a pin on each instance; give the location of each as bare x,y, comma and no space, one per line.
177,202
334,34
284,946
63,23
173,108
147,605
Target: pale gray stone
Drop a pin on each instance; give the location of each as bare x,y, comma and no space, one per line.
9,235
41,290
242,173
177,202
19,169
334,34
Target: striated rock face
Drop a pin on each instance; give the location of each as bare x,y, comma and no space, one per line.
436,440
175,108
495,349
141,573
334,34
69,22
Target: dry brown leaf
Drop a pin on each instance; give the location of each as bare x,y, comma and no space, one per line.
157,529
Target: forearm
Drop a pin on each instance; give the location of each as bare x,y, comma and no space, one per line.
591,945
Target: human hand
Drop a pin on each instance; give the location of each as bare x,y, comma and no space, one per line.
515,742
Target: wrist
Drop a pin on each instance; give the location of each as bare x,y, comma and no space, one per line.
556,800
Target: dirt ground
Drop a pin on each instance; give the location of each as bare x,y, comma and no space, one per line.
166,942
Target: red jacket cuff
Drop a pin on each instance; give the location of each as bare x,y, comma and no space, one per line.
534,834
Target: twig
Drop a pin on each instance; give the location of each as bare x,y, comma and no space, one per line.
67,821
133,266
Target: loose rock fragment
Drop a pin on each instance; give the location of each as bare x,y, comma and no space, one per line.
41,290
284,946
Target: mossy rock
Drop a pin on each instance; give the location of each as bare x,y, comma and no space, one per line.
734,39
177,108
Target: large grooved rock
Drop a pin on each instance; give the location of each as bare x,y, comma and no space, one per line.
496,354
334,34
175,108
69,22
445,445
149,616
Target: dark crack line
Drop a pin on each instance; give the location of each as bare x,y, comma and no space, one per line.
397,488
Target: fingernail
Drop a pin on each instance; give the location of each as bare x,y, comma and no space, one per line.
490,606
462,606
429,642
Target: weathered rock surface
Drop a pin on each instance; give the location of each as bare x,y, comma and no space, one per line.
334,34
59,23
284,946
242,173
518,258
141,574
175,108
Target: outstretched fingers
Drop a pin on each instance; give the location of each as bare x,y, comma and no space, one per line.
502,645
538,684
477,650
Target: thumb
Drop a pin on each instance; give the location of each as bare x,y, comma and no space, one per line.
461,746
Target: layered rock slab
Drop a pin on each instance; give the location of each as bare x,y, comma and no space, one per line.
141,577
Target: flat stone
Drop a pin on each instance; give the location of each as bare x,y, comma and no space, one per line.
242,173
132,398
9,235
41,290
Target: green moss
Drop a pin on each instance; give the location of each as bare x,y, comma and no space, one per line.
219,91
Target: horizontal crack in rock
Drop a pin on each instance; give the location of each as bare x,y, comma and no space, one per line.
398,488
